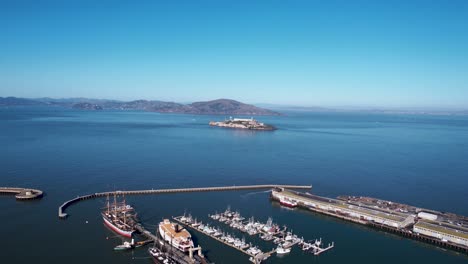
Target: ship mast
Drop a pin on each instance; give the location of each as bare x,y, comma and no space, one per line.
124,206
108,205
115,203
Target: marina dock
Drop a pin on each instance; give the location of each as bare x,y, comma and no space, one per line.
22,193
315,247
62,214
254,258
269,232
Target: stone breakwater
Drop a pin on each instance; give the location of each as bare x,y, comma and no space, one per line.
22,193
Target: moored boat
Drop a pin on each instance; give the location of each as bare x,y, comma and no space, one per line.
287,202
125,246
160,257
280,250
176,235
118,217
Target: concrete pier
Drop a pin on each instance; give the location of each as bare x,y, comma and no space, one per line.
420,237
62,214
323,205
22,193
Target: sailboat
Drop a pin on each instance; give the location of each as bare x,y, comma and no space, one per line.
118,217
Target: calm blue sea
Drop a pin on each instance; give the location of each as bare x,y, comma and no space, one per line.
416,159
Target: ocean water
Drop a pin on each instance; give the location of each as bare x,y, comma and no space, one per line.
416,159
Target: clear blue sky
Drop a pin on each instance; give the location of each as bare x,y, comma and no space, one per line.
310,53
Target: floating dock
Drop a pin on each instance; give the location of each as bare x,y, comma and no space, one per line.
22,193
315,247
62,214
273,232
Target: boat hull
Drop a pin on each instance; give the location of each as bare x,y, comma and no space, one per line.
287,204
159,257
122,248
116,229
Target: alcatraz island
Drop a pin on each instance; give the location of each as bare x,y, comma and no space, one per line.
242,123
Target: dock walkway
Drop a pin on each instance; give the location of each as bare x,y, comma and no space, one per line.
62,214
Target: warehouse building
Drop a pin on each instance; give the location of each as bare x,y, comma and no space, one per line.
443,231
315,202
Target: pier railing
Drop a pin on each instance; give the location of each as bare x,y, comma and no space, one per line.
62,214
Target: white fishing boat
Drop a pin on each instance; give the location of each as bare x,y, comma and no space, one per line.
280,250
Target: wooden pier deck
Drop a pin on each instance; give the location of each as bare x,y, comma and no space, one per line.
62,214
22,193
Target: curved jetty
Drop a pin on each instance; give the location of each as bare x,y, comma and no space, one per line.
22,193
62,214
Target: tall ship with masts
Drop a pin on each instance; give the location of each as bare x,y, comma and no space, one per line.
119,216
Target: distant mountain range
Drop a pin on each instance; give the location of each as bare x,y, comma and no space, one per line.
215,107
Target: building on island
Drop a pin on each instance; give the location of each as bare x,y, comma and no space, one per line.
242,123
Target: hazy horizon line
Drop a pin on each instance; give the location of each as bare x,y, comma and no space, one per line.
304,106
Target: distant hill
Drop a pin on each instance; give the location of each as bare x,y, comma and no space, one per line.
145,105
228,107
215,107
87,106
13,101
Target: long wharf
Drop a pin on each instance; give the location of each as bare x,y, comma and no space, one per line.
62,214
